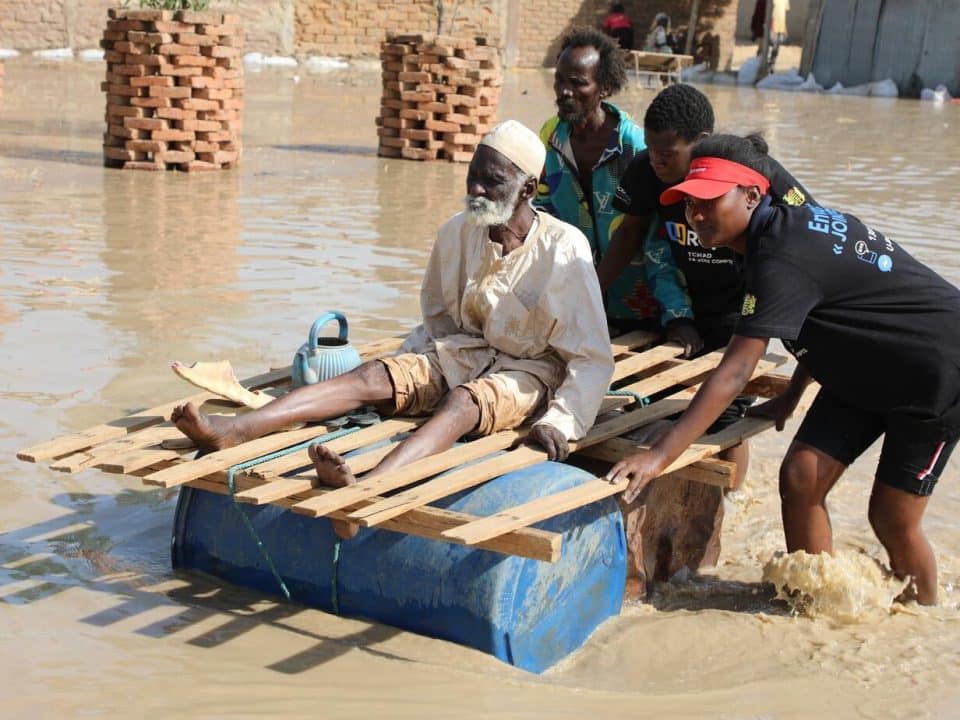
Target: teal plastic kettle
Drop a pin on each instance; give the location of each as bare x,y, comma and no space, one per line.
321,358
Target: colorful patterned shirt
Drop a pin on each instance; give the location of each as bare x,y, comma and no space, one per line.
561,194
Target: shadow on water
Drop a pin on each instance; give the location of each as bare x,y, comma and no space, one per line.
42,558
702,592
74,157
330,149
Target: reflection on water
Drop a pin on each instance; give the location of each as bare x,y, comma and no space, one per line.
107,276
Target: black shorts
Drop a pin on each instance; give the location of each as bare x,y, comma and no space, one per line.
909,461
736,411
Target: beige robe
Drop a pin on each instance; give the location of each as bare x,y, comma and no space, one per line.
539,309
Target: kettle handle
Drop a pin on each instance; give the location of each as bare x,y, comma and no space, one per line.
323,320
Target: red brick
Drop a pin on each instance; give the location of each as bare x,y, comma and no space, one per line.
131,48
215,137
176,156
148,60
203,81
170,92
199,165
119,131
189,38
199,17
198,104
152,81
418,153
213,94
193,60
218,30
185,71
126,112
144,165
221,156
176,114
150,102
176,49
132,70
221,51
172,135
142,123
117,89
173,27
150,146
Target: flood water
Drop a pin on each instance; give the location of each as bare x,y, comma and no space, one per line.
107,276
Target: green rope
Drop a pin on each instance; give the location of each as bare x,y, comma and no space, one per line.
334,596
641,400
246,520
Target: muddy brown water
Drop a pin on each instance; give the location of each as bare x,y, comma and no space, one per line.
108,276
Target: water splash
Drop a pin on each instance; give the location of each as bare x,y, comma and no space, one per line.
846,587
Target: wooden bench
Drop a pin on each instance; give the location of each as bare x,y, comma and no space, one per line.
660,65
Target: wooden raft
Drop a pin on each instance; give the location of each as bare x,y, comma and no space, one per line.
148,446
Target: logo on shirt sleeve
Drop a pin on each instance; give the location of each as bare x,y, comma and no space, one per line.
749,305
794,197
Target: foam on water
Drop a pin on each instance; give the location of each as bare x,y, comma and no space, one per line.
846,587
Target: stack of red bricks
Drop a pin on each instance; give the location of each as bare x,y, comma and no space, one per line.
174,90
440,96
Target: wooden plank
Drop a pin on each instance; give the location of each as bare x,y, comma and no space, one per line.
153,435
224,459
710,471
514,460
593,490
273,489
353,441
431,522
631,340
414,472
137,459
67,444
279,487
645,360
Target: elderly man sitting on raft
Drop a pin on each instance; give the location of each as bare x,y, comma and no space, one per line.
513,327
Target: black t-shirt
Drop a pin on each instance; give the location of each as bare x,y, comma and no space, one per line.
714,280
873,325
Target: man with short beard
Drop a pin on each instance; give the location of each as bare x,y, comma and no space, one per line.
513,329
590,143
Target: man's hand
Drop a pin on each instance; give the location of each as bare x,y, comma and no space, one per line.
551,440
639,469
684,333
778,409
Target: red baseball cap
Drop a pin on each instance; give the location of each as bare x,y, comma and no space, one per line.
711,177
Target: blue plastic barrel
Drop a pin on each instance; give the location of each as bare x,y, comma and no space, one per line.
526,612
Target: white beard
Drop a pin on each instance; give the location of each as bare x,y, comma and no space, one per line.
486,213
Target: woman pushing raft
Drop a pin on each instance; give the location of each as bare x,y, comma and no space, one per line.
876,328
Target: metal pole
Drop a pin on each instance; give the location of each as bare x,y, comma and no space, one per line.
691,27
765,43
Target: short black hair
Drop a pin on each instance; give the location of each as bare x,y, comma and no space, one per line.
617,8
682,108
611,68
750,150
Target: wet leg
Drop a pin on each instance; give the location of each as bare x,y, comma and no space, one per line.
369,383
457,415
333,472
895,516
806,476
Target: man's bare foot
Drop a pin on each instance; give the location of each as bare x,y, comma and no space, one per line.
208,432
333,472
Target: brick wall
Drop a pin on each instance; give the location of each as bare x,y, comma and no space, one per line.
357,27
544,22
354,28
